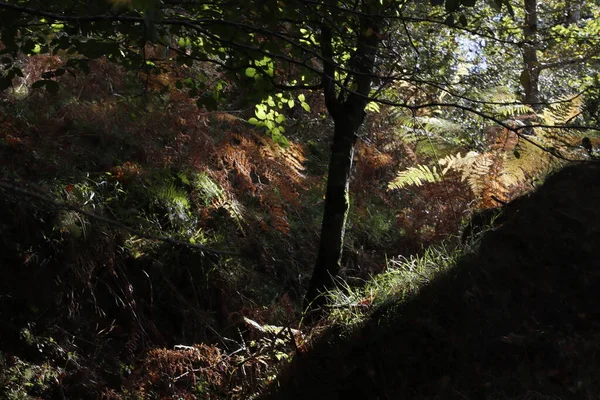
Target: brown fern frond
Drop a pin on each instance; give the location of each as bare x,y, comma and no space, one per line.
279,219
373,163
501,139
480,171
226,117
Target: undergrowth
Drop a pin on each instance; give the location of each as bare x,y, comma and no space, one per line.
402,280
131,302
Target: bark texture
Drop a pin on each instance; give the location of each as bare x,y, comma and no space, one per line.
337,205
530,77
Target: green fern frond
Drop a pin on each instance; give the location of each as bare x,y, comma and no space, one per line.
509,110
171,195
426,126
503,102
436,125
563,111
525,161
209,192
416,176
176,202
235,210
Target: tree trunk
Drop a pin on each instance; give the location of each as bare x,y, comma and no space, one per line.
337,205
530,77
572,12
346,104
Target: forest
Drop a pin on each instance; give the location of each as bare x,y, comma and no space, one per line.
300,199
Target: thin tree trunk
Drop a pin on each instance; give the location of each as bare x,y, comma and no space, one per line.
337,205
573,12
530,77
347,109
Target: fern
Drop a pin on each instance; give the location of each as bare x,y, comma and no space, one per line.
458,163
176,202
509,110
415,176
563,111
473,167
235,210
510,161
525,161
437,126
503,102
412,127
212,195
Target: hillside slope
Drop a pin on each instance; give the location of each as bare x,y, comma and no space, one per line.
518,319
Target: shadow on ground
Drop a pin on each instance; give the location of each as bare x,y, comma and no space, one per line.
519,319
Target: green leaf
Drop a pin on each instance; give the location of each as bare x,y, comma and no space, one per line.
280,118
251,72
260,114
290,103
305,106
184,179
372,107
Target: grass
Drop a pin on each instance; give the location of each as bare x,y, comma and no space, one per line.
402,280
